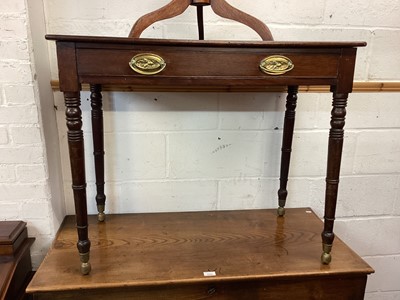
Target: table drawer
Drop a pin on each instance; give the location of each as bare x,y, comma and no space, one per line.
208,63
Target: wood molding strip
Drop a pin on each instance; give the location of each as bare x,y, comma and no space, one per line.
358,87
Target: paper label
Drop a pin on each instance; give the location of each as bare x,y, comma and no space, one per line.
209,273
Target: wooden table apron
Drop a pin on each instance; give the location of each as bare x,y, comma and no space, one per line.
101,60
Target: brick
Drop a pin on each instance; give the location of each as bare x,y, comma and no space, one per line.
26,135
370,236
377,152
2,98
346,12
284,11
161,112
259,193
151,196
216,154
383,14
7,173
396,206
254,111
362,13
364,110
3,136
99,27
357,195
385,50
13,29
129,156
15,72
39,227
19,115
387,273
241,111
35,210
138,156
131,10
19,94
309,156
12,6
14,50
168,196
112,191
75,9
23,191
25,155
142,156
10,210
31,173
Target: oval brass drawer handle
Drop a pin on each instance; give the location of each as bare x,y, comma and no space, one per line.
147,63
276,65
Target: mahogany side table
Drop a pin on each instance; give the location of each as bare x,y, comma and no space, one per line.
195,66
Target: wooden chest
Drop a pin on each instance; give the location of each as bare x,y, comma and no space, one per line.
251,254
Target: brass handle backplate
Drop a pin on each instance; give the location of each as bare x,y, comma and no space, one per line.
147,63
276,65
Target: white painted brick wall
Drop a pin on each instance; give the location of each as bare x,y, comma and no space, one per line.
170,142
24,186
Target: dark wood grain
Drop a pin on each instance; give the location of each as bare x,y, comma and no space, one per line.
286,150
343,288
67,74
77,161
12,235
200,22
335,147
250,250
15,260
104,40
98,146
207,64
220,7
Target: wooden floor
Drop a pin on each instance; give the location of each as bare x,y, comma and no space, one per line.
165,250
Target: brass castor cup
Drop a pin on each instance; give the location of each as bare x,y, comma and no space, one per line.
85,268
326,256
85,264
101,216
281,211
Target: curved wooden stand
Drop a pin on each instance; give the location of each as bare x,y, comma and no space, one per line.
220,7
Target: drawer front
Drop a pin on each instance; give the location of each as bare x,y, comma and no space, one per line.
207,63
321,288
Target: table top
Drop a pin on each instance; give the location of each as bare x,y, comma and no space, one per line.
177,248
202,43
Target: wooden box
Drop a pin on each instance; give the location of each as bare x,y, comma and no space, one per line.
15,260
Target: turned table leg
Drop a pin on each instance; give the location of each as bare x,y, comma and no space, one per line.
98,146
77,159
288,127
335,146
